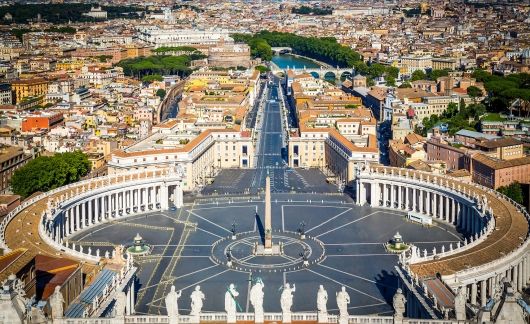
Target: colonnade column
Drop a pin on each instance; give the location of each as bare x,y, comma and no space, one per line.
473,293
483,293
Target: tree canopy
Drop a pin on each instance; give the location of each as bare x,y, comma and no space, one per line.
325,49
64,12
513,191
45,173
503,90
158,65
306,10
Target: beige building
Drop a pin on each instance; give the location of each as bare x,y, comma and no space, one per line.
11,159
327,148
200,157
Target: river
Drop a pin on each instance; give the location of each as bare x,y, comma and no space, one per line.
286,60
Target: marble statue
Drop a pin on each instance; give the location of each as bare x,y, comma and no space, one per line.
286,298
322,300
119,305
231,303
197,297
172,306
460,304
56,303
398,302
256,299
343,299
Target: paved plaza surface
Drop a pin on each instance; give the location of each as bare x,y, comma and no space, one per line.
352,237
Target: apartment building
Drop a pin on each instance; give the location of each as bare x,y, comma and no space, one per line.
11,159
200,156
24,88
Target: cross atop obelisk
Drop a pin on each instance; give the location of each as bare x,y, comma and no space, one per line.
268,221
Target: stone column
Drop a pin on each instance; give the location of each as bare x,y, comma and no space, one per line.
421,201
372,194
164,197
96,210
447,212
71,216
428,202
90,216
407,202
474,293
400,197
179,199
384,195
103,207
414,193
525,271
520,277
483,293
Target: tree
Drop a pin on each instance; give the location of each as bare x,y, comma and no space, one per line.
161,93
474,92
418,75
262,69
405,85
152,77
46,173
513,191
435,74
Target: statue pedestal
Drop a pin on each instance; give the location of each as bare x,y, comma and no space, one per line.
259,318
234,237
343,319
302,237
231,318
262,250
323,317
195,319
173,320
286,317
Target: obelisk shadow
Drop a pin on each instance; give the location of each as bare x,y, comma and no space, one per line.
261,229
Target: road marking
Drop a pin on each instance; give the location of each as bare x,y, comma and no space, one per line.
340,283
194,214
336,228
329,220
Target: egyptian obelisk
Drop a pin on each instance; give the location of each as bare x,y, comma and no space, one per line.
268,225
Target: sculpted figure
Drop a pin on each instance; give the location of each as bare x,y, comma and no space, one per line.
172,306
343,299
322,300
399,305
256,296
119,306
197,297
56,303
286,298
230,300
460,304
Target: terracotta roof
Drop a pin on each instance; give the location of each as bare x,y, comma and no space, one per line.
497,164
500,142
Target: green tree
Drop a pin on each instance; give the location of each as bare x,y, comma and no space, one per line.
46,173
262,69
405,85
161,93
513,191
474,92
418,75
152,77
435,74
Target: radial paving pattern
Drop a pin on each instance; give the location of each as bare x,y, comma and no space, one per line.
352,252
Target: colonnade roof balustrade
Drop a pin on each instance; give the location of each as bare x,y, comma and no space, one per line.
510,233
22,231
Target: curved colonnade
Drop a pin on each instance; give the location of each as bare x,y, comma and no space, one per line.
63,212
495,228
